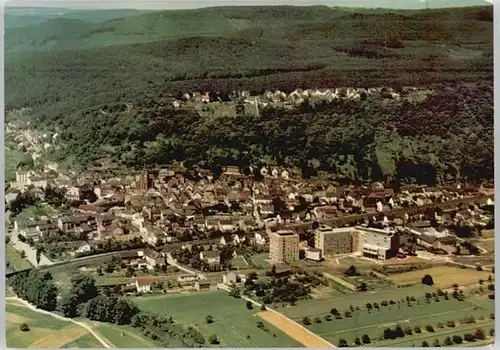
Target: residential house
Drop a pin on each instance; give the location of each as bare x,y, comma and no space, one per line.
262,198
374,202
231,278
428,241
23,179
186,279
202,285
91,209
325,212
84,248
74,193
237,239
227,225
109,226
143,285
34,229
210,257
155,235
259,239
31,233
266,209
104,191
153,258
74,224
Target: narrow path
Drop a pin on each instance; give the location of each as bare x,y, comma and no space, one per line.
33,308
171,261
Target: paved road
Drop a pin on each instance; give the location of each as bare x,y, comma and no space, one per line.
81,324
30,252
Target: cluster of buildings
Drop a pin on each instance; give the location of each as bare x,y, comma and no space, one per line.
375,243
282,99
175,204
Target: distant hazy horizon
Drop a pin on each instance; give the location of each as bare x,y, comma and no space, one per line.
190,4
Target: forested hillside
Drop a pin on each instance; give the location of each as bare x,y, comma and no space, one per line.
448,136
108,99
16,17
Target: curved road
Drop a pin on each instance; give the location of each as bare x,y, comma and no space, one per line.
81,324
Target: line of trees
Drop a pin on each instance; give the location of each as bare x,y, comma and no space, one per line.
36,287
161,328
398,332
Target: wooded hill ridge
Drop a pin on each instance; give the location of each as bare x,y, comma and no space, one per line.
69,70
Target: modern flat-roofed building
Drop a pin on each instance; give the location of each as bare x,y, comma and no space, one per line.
283,246
377,243
335,240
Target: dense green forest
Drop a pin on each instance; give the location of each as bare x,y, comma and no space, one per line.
448,136
16,17
104,83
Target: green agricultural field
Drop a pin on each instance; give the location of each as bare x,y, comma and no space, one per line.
373,283
124,336
440,335
261,260
88,341
234,324
318,307
40,325
35,211
339,290
239,263
12,159
373,323
13,258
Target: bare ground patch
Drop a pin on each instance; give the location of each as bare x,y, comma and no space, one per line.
16,319
293,330
60,338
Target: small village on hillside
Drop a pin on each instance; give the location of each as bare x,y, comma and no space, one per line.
173,230
249,176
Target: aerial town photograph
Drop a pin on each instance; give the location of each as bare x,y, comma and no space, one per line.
245,174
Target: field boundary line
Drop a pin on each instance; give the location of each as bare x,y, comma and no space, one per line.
60,337
443,333
226,288
400,320
27,305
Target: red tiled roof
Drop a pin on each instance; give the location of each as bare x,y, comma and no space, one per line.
143,281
